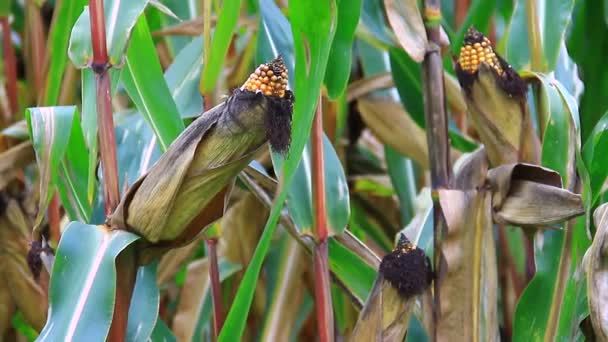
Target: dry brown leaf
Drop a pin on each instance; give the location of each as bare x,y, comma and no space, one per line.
288,294
406,20
367,85
597,274
191,300
27,294
385,316
394,127
468,288
527,195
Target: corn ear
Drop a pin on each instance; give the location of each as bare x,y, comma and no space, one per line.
184,191
496,99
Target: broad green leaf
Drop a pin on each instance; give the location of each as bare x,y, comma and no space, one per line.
299,194
64,17
585,45
340,56
162,333
143,311
318,34
275,36
222,36
595,147
407,76
143,79
120,18
137,147
5,8
401,172
553,19
558,140
373,20
183,78
352,271
554,301
83,283
62,158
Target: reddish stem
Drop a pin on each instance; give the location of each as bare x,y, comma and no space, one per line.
216,290
107,142
318,175
54,218
325,315
98,34
10,68
38,55
461,8
126,266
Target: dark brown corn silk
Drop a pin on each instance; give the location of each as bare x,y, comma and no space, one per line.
407,268
476,52
272,80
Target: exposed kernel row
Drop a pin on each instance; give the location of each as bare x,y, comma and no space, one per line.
269,79
472,55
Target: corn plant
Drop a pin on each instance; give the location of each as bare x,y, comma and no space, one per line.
324,170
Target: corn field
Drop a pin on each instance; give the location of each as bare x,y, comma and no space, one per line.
299,170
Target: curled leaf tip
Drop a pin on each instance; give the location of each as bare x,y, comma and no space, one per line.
270,79
476,53
407,268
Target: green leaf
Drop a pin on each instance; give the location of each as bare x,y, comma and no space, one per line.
143,79
594,151
120,18
162,333
554,18
143,310
299,194
64,17
222,36
340,56
275,36
408,81
587,35
183,78
318,34
554,301
5,8
352,271
62,159
401,172
137,147
83,283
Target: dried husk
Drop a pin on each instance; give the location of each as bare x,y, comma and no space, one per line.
184,191
26,293
529,195
385,316
404,275
597,275
501,120
469,284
